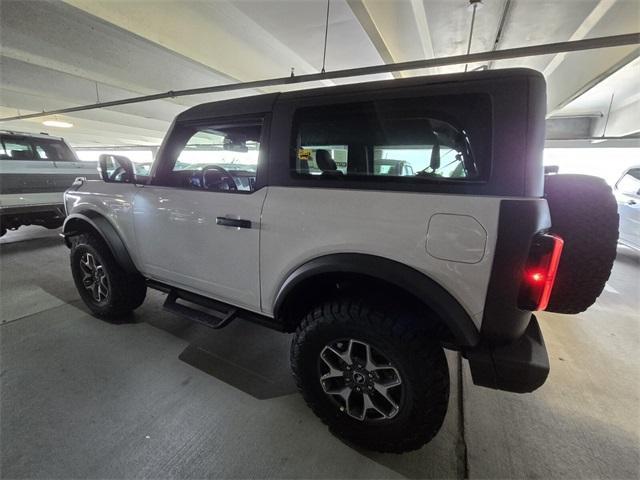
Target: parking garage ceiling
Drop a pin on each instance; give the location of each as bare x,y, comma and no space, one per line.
57,54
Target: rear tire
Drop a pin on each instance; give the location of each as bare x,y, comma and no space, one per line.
584,213
105,287
403,352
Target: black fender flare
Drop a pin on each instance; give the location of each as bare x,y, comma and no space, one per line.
425,289
76,223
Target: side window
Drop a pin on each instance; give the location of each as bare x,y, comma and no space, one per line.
53,150
386,139
41,153
17,149
630,183
221,158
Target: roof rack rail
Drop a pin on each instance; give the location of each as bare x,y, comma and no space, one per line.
31,134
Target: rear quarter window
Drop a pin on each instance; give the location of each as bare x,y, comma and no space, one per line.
405,140
54,150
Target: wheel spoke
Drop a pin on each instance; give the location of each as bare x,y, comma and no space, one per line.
345,394
102,291
384,392
385,370
370,405
343,356
91,262
333,373
369,363
95,289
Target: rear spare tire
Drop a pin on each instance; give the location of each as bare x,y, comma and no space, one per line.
584,213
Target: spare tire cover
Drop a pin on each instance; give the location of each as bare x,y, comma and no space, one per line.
584,213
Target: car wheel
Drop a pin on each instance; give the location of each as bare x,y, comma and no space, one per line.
376,378
103,285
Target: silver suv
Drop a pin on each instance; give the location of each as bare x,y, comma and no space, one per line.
35,170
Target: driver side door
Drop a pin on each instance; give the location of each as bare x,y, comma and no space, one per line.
198,221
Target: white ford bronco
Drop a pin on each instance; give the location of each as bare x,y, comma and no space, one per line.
35,170
381,222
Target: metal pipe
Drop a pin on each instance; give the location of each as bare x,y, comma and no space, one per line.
534,50
606,120
501,25
592,139
474,4
577,115
326,34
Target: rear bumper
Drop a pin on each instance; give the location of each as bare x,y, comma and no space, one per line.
521,366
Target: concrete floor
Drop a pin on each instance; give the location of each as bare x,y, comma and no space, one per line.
157,396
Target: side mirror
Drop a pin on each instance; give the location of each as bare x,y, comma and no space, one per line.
116,169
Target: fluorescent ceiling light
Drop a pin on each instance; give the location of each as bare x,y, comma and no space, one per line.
57,123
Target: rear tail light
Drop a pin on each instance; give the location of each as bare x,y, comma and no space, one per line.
540,272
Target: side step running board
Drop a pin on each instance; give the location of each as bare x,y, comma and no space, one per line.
217,315
211,313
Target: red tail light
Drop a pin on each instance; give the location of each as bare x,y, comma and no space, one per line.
540,272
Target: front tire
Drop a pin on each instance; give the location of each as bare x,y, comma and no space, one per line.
105,287
377,378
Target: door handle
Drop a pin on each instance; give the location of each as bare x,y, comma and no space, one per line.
631,202
233,222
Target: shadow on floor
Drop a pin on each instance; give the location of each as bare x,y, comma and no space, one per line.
249,381
26,245
249,357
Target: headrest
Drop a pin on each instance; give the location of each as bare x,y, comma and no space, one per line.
324,161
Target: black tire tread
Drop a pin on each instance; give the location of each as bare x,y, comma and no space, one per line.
584,213
430,380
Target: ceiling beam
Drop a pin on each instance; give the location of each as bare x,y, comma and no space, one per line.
215,34
422,23
576,46
598,12
577,76
365,19
571,75
67,40
621,122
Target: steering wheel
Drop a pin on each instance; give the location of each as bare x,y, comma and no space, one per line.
228,179
116,173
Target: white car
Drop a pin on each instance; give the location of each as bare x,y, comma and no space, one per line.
627,192
375,270
35,170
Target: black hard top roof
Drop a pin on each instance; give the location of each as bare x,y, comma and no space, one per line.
264,103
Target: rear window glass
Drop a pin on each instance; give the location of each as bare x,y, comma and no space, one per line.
387,139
